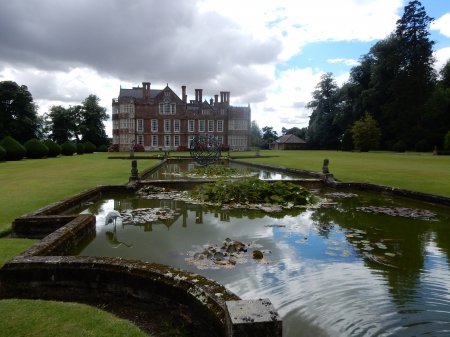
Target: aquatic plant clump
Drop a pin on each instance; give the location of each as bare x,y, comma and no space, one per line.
216,171
399,211
252,191
226,255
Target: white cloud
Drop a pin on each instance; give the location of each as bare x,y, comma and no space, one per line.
442,25
347,62
442,56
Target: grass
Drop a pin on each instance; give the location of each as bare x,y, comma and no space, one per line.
48,318
30,184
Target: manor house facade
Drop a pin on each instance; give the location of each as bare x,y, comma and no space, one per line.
159,119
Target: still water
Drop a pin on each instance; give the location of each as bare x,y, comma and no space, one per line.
330,271
174,167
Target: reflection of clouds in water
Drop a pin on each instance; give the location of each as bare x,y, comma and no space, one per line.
329,297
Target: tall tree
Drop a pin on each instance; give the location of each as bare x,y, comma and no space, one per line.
255,134
323,132
365,133
63,123
18,112
91,125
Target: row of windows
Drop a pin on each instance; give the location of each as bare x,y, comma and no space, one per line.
237,140
126,108
168,140
238,124
167,108
204,126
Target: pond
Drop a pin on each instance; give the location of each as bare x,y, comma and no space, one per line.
172,169
346,268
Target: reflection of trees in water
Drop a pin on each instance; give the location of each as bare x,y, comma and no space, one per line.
409,238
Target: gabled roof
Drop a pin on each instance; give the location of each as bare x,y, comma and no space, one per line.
138,92
290,139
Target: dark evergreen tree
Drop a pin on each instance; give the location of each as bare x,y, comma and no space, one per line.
91,125
18,113
323,132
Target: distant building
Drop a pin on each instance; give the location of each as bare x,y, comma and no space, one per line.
288,142
160,119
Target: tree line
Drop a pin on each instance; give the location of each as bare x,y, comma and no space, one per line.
394,93
20,119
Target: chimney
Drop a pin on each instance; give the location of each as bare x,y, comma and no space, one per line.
216,100
221,96
183,93
196,95
200,91
211,101
146,89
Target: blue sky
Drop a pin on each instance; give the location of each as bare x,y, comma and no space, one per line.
266,53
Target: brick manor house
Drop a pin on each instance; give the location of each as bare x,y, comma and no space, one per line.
159,119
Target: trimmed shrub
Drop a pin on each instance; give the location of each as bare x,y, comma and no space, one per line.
224,147
80,148
422,146
35,149
14,150
89,147
139,148
182,148
400,146
2,153
113,148
102,148
54,149
68,148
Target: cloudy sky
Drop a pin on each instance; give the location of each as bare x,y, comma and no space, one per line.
270,54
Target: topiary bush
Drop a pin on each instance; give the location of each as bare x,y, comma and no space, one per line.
422,146
102,148
14,150
89,147
400,146
54,149
80,148
68,148
2,153
35,149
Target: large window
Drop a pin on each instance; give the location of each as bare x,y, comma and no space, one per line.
140,125
238,124
115,124
205,111
191,126
115,139
166,141
176,140
154,141
219,140
126,108
154,125
176,125
167,108
201,126
223,111
140,140
115,110
210,126
220,126
237,140
167,125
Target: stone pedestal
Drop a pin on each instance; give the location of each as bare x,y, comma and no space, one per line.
253,318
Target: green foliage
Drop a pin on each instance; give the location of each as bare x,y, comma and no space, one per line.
347,141
422,146
80,148
252,191
102,148
447,141
89,147
54,149
18,112
14,150
365,133
255,134
400,146
68,148
35,149
2,153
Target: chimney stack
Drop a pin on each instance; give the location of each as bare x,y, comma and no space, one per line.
183,93
201,95
146,89
216,100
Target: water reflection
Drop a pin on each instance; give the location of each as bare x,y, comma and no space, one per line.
319,276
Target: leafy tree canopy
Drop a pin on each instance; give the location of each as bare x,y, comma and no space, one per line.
18,113
365,133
